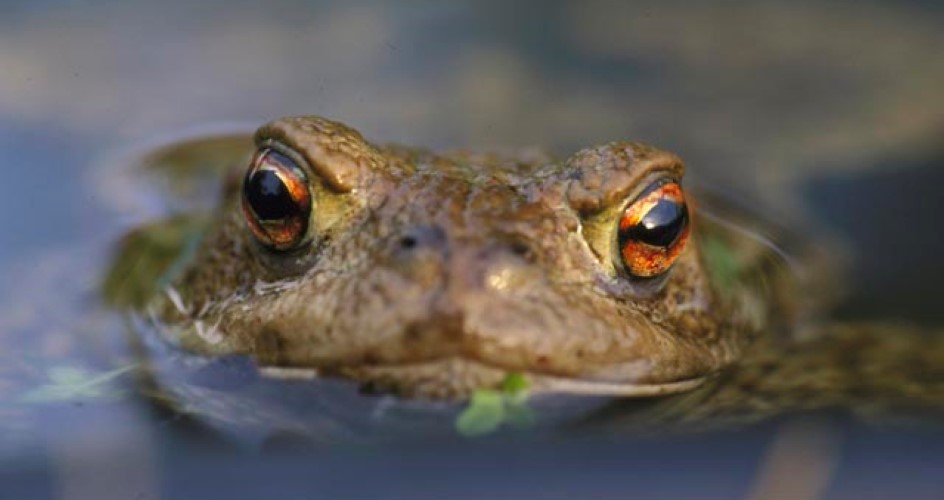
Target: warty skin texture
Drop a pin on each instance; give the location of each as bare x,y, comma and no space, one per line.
434,275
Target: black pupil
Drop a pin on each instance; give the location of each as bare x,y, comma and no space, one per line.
661,226
268,196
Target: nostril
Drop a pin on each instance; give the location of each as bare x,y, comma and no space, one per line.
419,253
520,249
418,237
523,250
408,242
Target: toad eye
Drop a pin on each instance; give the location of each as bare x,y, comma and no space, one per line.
276,200
653,230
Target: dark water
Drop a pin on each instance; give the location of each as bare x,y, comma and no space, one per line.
831,114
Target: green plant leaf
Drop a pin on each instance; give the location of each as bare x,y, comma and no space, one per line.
70,383
489,409
515,384
484,415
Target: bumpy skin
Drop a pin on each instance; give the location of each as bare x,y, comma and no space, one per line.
436,274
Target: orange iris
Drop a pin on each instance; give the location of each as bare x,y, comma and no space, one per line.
276,200
653,230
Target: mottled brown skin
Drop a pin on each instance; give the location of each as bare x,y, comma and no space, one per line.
436,274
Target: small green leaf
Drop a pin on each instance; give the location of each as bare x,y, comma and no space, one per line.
69,383
515,384
67,375
485,413
489,409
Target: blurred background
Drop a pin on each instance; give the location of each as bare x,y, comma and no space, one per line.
832,113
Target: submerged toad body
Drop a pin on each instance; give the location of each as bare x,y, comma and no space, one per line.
434,275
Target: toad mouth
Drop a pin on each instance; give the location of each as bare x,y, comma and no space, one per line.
454,377
457,377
